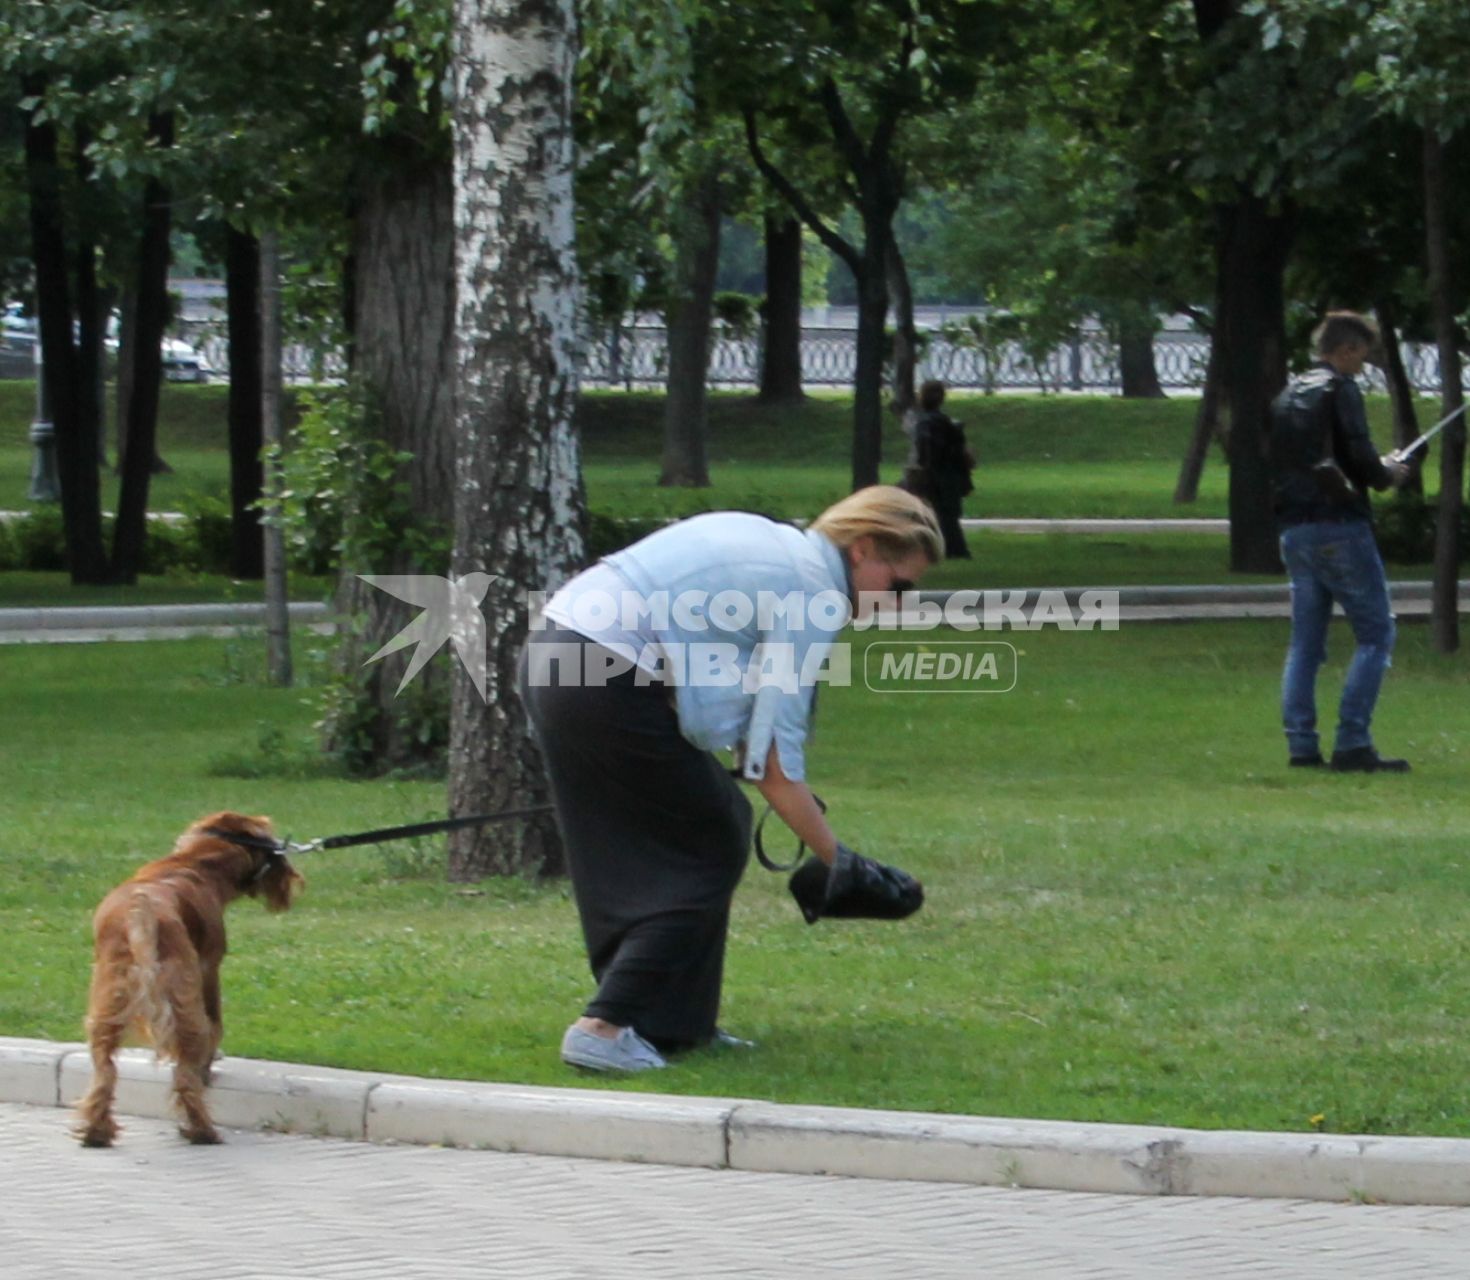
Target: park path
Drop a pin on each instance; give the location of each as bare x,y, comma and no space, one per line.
276,1207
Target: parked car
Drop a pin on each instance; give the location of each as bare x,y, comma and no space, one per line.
181,362
17,344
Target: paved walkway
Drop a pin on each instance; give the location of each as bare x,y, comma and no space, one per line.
273,1207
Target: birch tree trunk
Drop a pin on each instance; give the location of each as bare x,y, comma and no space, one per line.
519,506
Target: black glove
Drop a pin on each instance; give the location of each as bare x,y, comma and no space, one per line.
854,887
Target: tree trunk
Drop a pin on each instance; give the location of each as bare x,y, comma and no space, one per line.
137,461
781,314
905,334
1254,245
1445,606
867,426
696,267
404,321
519,510
1400,389
1136,366
1206,424
76,440
247,475
127,343
91,335
277,609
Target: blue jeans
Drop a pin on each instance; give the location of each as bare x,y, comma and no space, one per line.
1334,561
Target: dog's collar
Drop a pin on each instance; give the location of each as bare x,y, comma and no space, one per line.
250,842
273,849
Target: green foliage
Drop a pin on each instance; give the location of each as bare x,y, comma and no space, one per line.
1406,525
407,66
35,541
738,313
38,540
344,498
606,534
987,335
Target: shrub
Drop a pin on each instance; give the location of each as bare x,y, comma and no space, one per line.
1406,526
606,534
38,539
210,533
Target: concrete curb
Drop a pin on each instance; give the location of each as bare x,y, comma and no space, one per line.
763,1137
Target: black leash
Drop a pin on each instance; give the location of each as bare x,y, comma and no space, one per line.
384,834
760,844
381,836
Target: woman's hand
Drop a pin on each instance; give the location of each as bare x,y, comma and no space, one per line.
797,808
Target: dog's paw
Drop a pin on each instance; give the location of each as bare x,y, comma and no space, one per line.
202,1137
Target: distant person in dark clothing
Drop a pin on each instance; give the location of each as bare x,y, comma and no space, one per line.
1323,461
940,467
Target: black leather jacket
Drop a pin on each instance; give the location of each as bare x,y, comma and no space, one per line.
1319,414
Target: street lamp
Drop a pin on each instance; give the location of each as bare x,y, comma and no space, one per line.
43,487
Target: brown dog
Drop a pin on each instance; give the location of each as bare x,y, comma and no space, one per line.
160,939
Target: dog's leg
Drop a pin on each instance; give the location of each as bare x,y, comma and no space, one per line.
193,1047
107,1019
212,1011
194,1121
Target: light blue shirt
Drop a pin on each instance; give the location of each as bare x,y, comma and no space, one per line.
749,600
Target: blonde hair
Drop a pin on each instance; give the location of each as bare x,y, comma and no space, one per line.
898,523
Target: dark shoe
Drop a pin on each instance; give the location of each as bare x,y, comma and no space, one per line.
1366,760
722,1039
1307,762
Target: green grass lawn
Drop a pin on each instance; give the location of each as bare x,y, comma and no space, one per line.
1046,456
1135,912
1040,456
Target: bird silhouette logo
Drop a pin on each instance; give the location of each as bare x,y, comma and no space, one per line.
451,611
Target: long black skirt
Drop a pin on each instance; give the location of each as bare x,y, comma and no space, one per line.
657,835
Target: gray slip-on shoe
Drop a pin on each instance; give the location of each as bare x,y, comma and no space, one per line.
722,1039
627,1051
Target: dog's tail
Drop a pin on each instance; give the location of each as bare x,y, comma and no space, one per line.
149,1001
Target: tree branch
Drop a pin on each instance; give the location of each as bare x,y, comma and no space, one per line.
843,132
847,252
892,108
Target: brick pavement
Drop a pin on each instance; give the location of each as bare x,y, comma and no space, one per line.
277,1207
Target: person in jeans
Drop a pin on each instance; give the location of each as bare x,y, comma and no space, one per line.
656,831
1324,461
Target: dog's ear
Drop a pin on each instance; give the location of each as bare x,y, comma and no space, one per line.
280,884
